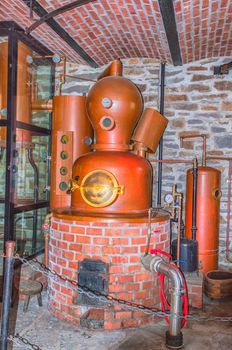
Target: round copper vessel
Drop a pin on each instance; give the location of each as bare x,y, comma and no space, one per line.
111,180
122,184
207,216
23,99
71,137
114,106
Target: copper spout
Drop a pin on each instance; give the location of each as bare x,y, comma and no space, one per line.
115,68
193,136
150,129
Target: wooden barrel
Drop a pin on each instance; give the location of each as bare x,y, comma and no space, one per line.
218,284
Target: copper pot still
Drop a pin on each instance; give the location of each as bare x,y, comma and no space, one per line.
23,99
207,215
112,180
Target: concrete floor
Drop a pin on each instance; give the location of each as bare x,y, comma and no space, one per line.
49,333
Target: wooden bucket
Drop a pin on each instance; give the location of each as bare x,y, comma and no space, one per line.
218,284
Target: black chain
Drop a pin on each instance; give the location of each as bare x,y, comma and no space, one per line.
83,288
26,342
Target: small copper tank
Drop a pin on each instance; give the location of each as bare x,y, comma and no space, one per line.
23,99
72,136
111,180
207,215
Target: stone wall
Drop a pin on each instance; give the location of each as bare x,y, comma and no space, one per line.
195,100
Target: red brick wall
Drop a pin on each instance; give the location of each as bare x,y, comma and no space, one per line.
109,29
119,245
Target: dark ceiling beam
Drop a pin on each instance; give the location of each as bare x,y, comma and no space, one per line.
56,12
41,12
169,20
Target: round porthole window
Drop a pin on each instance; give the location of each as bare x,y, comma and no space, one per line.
100,188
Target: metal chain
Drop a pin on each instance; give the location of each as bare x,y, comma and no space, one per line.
18,340
89,292
108,299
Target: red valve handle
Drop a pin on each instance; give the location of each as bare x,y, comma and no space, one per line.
160,252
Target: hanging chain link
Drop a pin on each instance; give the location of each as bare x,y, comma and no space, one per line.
108,299
18,340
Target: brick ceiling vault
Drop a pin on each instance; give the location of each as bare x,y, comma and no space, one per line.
109,29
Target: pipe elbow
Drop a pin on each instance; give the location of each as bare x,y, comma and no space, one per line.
151,262
173,274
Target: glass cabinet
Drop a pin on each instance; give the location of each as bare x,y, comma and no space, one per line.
26,89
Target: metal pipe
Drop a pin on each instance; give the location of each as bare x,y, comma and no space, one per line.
194,205
36,197
160,157
174,338
180,200
7,289
172,161
63,77
193,136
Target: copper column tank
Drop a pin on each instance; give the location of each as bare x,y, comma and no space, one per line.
72,136
111,180
207,215
23,100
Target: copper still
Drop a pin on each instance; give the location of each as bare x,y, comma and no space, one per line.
207,211
72,136
207,216
112,180
23,100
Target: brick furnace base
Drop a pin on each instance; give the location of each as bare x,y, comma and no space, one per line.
104,255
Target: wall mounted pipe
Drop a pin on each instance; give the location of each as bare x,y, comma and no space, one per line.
160,157
194,207
174,337
194,136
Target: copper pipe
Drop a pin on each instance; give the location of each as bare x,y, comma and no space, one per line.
42,105
63,80
193,136
78,78
114,69
139,149
219,158
173,161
